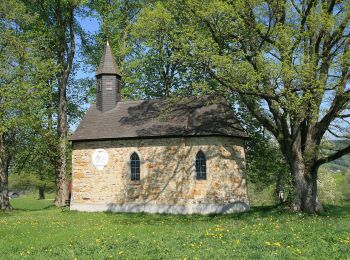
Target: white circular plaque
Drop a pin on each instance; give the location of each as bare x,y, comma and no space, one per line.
100,158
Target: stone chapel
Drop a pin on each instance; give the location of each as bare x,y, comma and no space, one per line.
157,156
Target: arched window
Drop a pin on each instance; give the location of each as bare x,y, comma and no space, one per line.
201,167
135,167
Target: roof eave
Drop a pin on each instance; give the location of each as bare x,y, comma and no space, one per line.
153,137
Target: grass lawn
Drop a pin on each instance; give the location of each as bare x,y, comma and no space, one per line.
36,230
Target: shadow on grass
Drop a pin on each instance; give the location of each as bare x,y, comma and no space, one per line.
37,209
342,210
15,211
337,210
148,218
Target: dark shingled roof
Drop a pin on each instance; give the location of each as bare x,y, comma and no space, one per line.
160,118
107,63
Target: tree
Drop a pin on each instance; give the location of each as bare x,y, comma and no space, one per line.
152,68
59,18
266,165
65,25
116,18
33,161
287,61
23,76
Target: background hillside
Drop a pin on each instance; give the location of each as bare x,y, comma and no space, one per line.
342,164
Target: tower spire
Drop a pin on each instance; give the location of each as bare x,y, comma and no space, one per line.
107,63
108,81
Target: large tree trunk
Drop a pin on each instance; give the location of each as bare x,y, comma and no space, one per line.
305,188
61,175
4,192
302,163
65,57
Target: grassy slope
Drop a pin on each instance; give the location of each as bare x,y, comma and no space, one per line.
48,233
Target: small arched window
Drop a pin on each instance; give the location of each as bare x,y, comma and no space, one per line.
201,167
135,167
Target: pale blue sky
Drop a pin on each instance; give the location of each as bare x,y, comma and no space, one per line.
90,25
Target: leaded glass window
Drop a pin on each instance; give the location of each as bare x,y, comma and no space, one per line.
135,167
201,167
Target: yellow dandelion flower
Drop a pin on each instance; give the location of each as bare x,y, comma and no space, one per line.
278,244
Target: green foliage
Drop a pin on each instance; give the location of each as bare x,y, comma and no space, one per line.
31,70
154,67
30,181
265,163
329,190
262,233
333,188
286,62
23,71
262,195
115,17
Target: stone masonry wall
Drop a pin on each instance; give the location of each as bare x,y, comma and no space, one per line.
168,177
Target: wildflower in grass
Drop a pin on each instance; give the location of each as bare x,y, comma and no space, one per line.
98,241
238,241
278,244
345,241
218,228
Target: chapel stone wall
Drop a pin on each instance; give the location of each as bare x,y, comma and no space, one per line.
167,176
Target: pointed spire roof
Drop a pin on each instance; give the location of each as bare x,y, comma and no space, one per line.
107,63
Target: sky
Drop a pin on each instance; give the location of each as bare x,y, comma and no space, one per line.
90,25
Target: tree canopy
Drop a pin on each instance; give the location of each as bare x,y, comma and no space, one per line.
284,66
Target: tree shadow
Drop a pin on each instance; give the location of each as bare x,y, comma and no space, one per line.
341,210
189,116
52,206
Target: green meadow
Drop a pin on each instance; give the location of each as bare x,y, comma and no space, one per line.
38,230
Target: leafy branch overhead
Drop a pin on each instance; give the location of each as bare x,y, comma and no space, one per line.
287,62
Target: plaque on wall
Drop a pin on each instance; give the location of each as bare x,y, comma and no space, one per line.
100,158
